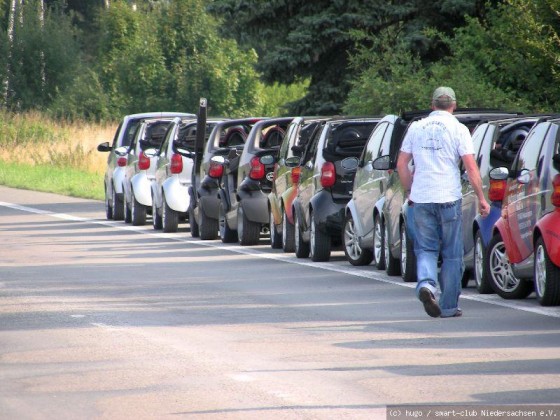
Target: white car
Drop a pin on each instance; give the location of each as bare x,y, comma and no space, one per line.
173,174
116,161
140,170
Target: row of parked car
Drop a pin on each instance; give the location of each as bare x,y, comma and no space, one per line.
315,184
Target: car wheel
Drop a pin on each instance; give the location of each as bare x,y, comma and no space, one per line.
127,211
320,243
118,206
248,232
288,234
275,237
227,234
481,278
195,232
547,276
355,254
138,212
208,228
108,208
501,275
301,247
378,245
392,264
408,258
169,217
156,217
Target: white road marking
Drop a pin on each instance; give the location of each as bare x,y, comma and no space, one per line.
292,259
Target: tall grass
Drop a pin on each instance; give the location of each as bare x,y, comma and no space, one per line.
39,153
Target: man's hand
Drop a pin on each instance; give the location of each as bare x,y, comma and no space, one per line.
483,208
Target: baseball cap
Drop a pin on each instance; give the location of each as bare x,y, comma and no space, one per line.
444,91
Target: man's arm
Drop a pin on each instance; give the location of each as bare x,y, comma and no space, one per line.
403,170
476,182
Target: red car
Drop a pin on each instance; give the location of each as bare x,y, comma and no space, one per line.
524,252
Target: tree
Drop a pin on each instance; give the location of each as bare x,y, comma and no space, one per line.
299,40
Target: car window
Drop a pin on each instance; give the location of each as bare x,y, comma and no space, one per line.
478,137
311,147
286,145
373,145
529,152
130,132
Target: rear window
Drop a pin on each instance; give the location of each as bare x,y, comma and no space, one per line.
347,140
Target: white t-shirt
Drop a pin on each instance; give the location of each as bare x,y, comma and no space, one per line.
437,143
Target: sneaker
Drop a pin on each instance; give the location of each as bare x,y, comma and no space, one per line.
430,305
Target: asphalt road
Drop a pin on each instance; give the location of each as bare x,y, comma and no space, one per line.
102,320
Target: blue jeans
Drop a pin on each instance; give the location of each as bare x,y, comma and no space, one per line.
439,231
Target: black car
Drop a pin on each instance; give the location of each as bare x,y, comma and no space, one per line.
247,181
226,136
327,173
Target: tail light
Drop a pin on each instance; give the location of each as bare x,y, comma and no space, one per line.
295,174
121,161
257,169
176,164
216,170
328,174
497,190
143,162
555,198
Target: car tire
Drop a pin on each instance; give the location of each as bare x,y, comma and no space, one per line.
127,211
546,275
275,237
378,243
501,276
408,258
320,242
118,206
208,228
195,232
138,212
301,247
156,217
392,264
481,278
108,207
355,254
169,217
288,234
247,231
227,234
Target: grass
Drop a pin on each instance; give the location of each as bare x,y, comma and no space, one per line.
38,153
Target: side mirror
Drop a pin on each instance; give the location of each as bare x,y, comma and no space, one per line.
150,152
104,147
350,163
382,163
184,152
220,160
292,162
267,159
121,151
524,176
499,174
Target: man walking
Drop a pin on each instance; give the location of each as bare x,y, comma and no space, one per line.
437,144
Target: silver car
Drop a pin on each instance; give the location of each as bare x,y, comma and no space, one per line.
116,161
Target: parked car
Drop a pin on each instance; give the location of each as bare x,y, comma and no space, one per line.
246,182
496,143
524,252
139,170
226,137
285,179
116,161
325,185
173,174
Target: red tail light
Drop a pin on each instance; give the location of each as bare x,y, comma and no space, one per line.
497,190
295,174
257,169
555,198
143,162
328,174
121,161
216,170
176,164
